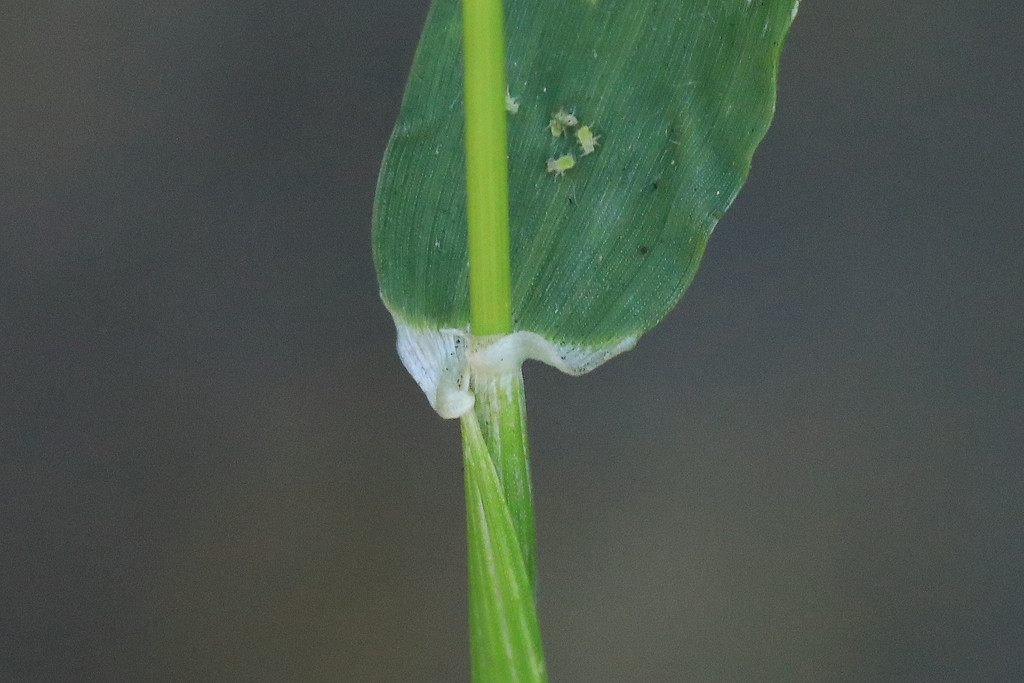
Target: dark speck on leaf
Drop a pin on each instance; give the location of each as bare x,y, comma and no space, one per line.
643,249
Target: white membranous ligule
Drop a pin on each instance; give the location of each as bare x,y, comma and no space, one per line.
443,361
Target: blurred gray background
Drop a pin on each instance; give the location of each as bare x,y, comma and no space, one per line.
214,468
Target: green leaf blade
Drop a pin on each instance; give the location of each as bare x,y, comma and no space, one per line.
680,91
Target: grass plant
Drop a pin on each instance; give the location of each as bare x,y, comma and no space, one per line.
503,230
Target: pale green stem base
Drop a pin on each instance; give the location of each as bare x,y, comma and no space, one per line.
504,634
501,412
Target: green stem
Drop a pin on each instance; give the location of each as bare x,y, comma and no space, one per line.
505,640
504,635
486,167
501,413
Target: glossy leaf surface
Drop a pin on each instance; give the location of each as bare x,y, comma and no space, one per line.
679,93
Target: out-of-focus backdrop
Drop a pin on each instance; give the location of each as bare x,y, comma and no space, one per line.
214,468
